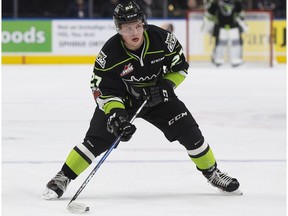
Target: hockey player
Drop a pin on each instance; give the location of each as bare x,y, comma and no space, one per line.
228,18
130,68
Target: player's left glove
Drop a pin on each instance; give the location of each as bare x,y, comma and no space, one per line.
161,92
120,125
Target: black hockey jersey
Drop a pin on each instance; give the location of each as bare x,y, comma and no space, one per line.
119,72
225,13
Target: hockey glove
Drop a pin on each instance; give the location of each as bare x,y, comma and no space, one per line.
242,24
121,125
161,92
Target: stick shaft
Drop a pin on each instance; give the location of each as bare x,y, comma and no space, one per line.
101,161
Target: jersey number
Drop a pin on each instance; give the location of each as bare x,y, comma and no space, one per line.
176,58
95,80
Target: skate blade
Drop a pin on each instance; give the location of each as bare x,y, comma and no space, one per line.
233,193
49,194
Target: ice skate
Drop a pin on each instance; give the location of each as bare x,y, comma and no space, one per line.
237,62
217,63
224,182
56,186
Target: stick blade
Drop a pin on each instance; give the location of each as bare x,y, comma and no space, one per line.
77,208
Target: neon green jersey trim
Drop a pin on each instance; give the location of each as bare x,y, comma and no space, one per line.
112,105
176,78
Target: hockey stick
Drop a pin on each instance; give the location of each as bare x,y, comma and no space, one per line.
79,207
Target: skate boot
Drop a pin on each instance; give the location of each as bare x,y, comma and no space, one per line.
222,181
56,186
216,63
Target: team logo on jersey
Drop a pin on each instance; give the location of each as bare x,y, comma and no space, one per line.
171,41
127,69
134,84
141,81
226,8
101,59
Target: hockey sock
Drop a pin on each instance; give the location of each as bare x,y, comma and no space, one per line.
77,161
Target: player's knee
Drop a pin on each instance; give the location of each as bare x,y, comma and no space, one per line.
191,138
93,148
195,144
198,148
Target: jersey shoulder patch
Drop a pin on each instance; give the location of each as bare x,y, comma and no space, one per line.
107,57
171,41
101,59
167,37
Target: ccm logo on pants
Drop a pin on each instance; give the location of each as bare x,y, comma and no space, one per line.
176,118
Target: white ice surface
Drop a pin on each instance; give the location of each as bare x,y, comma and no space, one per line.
241,112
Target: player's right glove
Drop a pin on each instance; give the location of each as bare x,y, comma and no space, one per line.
161,92
119,124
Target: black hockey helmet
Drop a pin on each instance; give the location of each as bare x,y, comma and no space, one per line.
128,12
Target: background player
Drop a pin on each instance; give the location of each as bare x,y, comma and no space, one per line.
227,17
